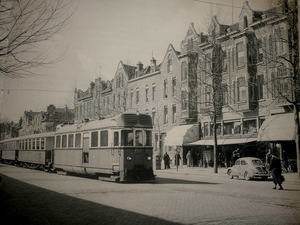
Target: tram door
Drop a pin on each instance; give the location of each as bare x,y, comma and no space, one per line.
116,153
85,150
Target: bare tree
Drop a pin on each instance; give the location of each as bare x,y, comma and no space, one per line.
5,127
208,78
26,25
281,57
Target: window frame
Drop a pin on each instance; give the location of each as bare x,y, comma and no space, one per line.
94,142
76,140
104,138
70,140
240,54
169,63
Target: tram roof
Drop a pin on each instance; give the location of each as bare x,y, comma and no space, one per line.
124,120
39,135
83,126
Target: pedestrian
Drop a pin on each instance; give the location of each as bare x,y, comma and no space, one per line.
167,160
285,161
275,168
205,162
177,158
268,159
235,156
220,160
189,159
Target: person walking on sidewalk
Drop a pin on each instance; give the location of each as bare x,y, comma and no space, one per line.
177,159
275,168
167,160
189,159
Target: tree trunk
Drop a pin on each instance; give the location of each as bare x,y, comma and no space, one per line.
215,143
297,137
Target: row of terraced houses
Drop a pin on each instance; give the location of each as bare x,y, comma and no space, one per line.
178,92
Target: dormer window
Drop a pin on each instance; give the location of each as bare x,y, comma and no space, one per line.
245,22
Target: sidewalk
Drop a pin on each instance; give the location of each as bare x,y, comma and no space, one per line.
290,177
192,170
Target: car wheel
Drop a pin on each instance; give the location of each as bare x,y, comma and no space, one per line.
264,178
247,176
229,173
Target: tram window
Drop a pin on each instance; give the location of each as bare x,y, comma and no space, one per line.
71,141
94,139
42,143
33,144
148,138
104,138
116,138
138,138
77,140
127,138
20,145
38,143
26,144
64,141
58,141
29,144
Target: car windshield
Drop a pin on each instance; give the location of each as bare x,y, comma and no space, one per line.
257,162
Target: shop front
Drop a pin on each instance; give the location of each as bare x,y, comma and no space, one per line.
278,134
176,141
243,146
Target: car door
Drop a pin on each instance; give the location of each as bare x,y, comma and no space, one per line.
243,167
237,166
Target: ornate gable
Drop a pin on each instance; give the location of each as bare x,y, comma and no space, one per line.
190,40
246,16
170,57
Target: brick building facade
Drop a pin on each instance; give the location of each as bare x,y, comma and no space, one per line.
230,71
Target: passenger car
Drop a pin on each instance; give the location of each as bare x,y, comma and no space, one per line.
248,167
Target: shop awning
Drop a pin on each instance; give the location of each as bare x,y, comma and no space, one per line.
278,128
181,135
229,141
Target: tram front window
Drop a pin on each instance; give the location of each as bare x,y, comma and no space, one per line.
148,138
138,138
127,138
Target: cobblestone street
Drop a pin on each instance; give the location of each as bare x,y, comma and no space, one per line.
186,196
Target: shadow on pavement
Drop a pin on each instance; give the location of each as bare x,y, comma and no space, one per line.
284,189
22,203
180,181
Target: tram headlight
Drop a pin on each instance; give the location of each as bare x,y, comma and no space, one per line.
129,158
148,158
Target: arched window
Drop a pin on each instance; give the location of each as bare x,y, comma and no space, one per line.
245,22
169,69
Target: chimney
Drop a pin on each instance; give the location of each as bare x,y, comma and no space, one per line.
139,66
153,65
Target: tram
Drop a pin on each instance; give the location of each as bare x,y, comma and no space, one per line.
31,151
116,149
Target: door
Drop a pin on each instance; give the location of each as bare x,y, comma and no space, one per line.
243,167
238,167
85,150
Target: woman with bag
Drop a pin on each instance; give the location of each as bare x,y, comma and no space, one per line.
275,168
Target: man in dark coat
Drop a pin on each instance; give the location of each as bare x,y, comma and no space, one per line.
275,168
177,158
167,160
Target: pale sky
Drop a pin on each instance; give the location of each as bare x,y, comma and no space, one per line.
103,32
